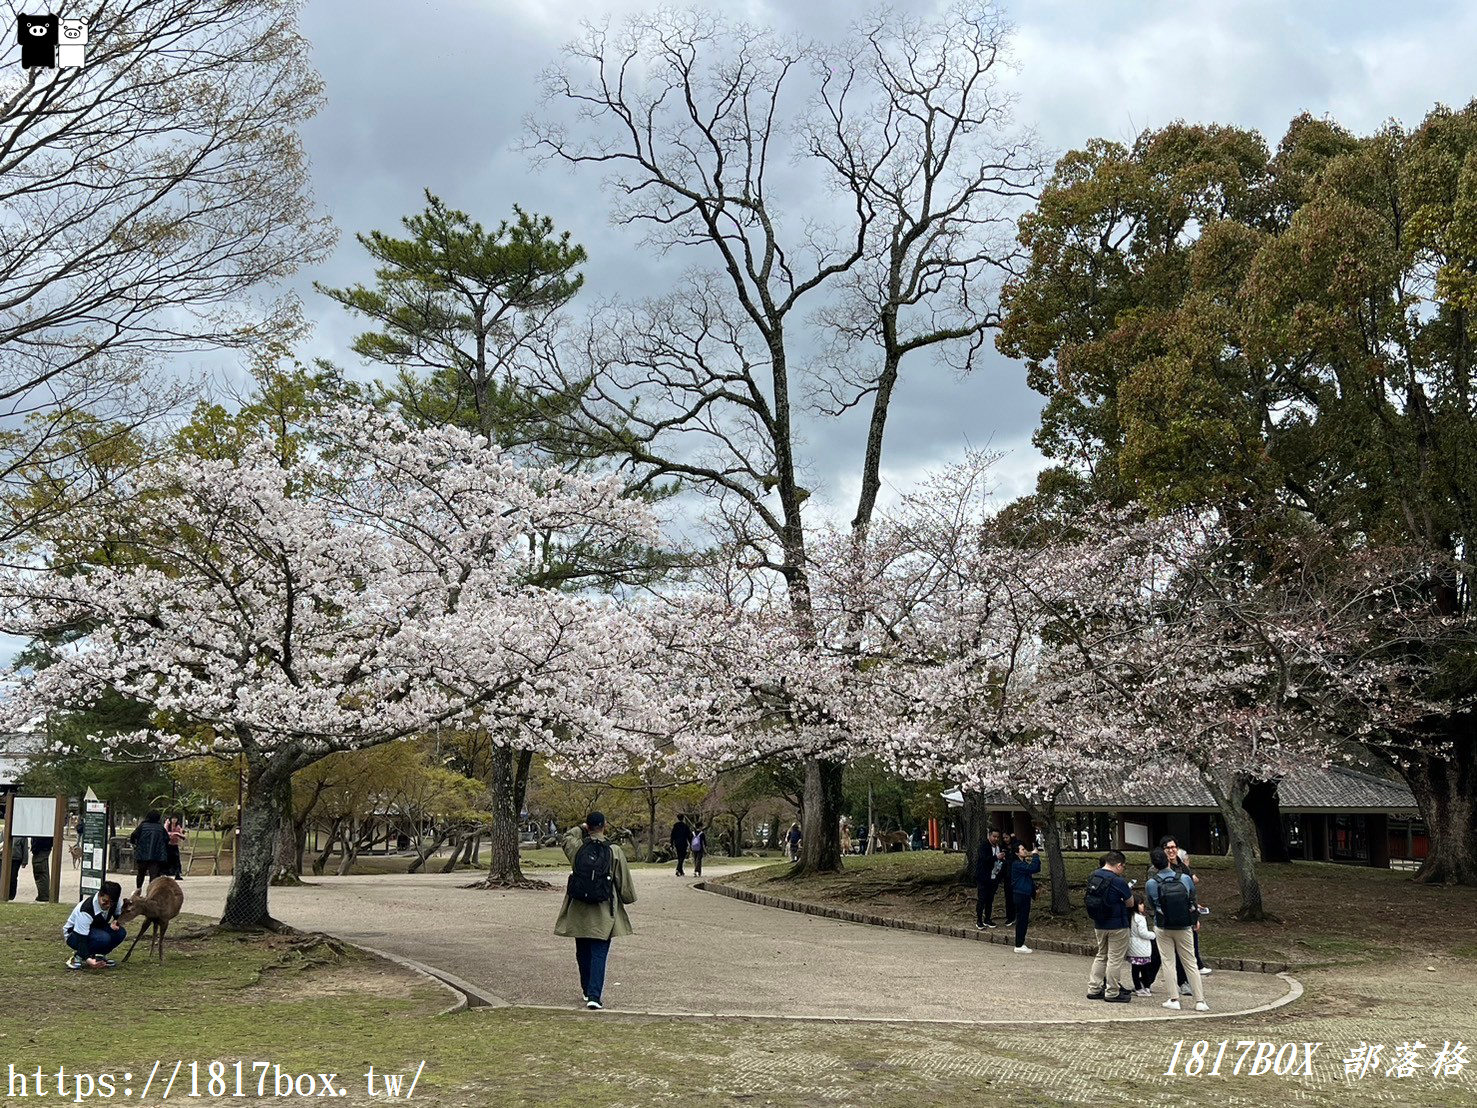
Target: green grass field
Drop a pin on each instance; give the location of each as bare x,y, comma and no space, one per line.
222,999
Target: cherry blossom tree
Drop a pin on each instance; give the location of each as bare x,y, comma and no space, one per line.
361,589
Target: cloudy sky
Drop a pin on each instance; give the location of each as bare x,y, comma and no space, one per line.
425,94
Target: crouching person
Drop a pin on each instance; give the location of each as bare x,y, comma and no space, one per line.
93,930
594,910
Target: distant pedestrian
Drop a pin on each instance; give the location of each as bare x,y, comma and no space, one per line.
41,866
699,848
174,827
1143,951
681,841
792,843
1023,890
989,864
1172,896
594,909
18,859
1107,905
150,849
1009,845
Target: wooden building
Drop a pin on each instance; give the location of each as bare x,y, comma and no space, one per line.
1329,815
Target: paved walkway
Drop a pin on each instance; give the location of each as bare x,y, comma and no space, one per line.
698,953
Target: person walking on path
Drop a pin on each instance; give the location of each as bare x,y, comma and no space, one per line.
1172,896
681,841
989,863
699,848
150,849
1107,905
792,843
594,909
1143,951
1023,890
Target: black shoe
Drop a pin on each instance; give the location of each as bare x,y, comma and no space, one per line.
989,925
1120,997
1094,996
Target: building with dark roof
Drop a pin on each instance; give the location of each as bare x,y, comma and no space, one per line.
1330,814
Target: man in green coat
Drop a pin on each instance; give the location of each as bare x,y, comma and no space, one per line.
592,924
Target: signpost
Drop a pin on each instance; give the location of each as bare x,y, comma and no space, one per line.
94,844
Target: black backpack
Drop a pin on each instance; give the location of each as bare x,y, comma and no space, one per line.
1174,909
1096,898
593,879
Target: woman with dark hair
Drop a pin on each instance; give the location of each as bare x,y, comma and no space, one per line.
1023,890
174,827
150,848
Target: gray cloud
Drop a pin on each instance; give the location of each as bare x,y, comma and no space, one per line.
432,95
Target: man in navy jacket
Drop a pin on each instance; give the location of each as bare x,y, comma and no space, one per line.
1107,903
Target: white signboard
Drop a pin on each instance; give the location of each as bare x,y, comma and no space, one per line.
34,816
1135,834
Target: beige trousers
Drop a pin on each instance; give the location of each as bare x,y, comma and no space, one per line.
1179,945
1107,966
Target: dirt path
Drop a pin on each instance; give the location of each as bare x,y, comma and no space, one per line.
698,953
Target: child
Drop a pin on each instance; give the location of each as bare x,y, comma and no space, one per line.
1142,948
93,930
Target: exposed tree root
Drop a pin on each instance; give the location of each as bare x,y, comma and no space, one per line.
496,882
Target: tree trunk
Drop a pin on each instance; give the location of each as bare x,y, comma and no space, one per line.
262,815
285,867
353,844
1242,831
425,851
975,824
504,866
820,833
1265,809
456,848
1056,863
1445,789
651,825
320,863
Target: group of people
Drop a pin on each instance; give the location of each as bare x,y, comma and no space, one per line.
1005,861
689,839
156,848
1138,930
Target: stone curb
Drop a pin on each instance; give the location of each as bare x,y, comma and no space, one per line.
467,995
1055,946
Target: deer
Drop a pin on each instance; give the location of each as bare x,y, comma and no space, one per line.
161,902
76,855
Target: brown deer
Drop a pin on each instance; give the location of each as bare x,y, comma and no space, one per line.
160,903
76,855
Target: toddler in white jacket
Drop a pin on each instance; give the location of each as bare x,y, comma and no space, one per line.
1143,950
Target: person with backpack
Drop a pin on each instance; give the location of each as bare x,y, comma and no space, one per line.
1179,861
150,849
595,899
1023,890
93,930
699,847
1172,897
1107,906
681,841
989,864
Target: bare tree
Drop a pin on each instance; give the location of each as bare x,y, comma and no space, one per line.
706,141
143,197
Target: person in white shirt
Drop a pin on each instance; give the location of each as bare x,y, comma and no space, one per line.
93,930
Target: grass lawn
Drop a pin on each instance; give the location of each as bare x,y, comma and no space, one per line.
221,998
1327,914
